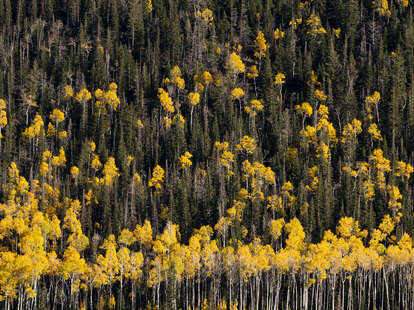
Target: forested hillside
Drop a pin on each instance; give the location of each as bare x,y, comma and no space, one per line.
206,154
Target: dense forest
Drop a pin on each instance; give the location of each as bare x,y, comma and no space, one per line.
206,154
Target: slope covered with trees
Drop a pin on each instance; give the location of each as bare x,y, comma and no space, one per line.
242,154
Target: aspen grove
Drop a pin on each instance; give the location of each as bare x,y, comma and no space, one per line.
206,154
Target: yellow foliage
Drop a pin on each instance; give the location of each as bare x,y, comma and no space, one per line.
247,145
149,6
166,101
2,104
253,73
3,119
109,97
235,64
320,95
206,15
323,112
348,227
382,7
291,154
62,134
314,79
51,130
221,146
278,34
179,120
394,195
126,237
74,172
143,234
287,187
381,165
305,109
275,203
59,160
258,172
92,146
137,178
206,78
67,92
130,158
35,129
387,225
194,98
374,132
139,124
96,163
255,105
113,86
179,82
326,127
296,235
374,98
83,95
323,152
158,175
110,171
279,79
226,159
295,23
99,94
403,169
276,227
44,169
72,266
88,197
368,189
309,134
314,22
261,47
351,130
237,93
185,160
167,121
57,115
222,224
